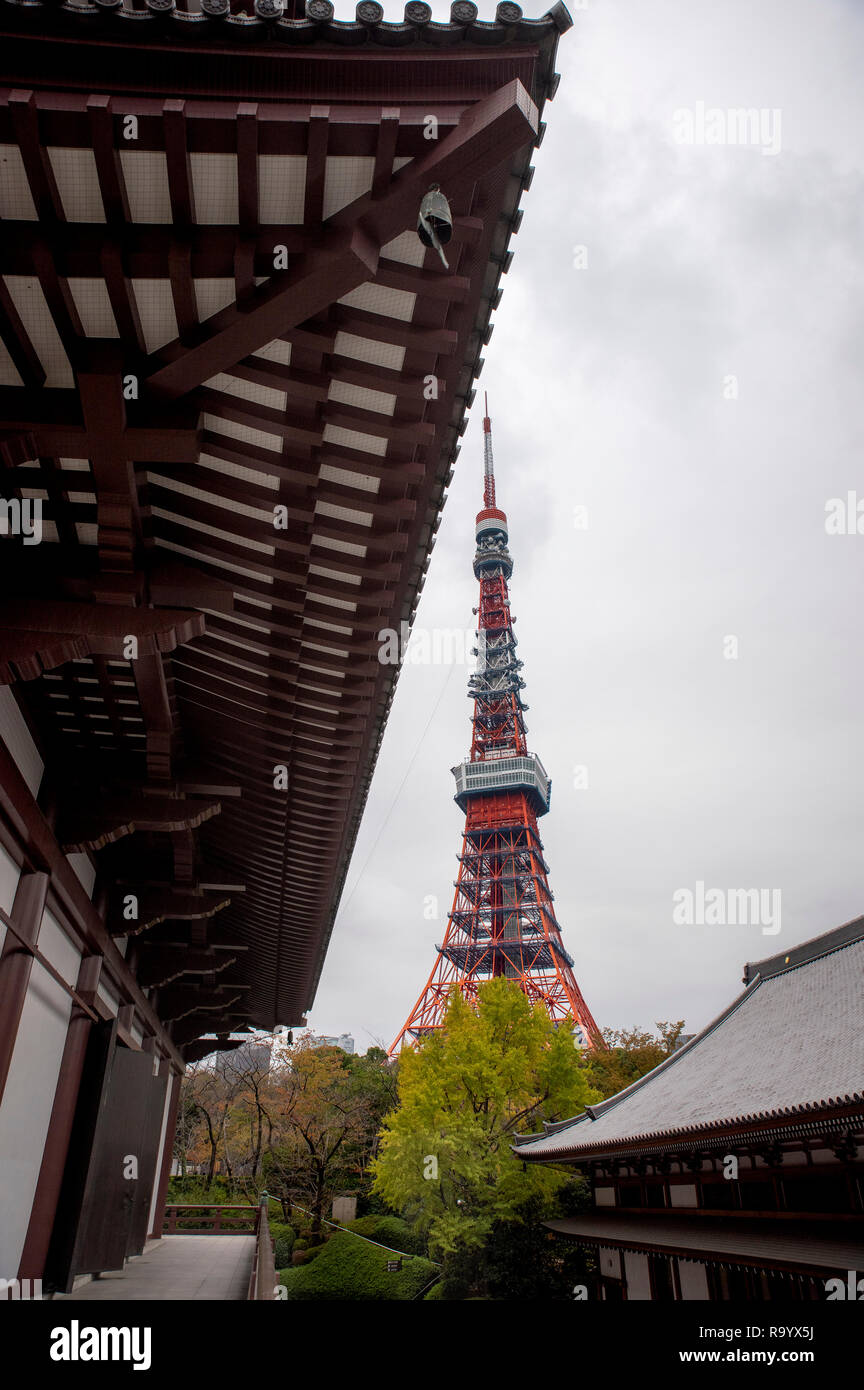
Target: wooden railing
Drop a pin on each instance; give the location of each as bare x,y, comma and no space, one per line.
199,1219
262,1282
210,1219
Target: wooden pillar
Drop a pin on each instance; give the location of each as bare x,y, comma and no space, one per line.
16,962
167,1153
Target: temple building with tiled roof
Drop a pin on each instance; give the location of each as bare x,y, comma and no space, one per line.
735,1169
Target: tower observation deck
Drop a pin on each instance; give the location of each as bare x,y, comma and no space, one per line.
502,922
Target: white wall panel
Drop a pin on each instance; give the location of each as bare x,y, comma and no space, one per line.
84,871
693,1278
636,1275
683,1195
25,1110
9,875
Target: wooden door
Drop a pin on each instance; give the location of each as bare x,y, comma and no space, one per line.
148,1156
105,1197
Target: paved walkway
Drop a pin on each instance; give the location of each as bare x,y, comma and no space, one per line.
178,1267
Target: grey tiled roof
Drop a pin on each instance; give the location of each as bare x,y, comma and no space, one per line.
792,1043
290,22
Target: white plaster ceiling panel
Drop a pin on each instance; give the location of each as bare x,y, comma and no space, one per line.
407,247
367,350
33,311
94,307
346,177
77,183
145,173
213,294
378,299
248,390
156,312
214,188
363,397
281,189
355,439
16,200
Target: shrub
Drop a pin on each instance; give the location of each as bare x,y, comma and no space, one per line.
370,1204
392,1230
304,1257
283,1242
193,1190
348,1269
436,1292
389,1230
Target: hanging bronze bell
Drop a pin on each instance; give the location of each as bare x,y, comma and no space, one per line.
435,221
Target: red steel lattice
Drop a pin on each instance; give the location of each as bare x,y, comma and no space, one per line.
502,922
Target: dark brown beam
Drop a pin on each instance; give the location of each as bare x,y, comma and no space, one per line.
155,906
488,133
179,168
316,164
182,583
37,164
152,690
160,965
108,167
53,419
85,827
16,961
247,166
385,150
145,247
39,635
343,262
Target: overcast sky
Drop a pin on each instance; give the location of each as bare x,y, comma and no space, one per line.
609,386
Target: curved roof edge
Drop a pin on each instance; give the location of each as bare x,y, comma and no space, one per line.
784,962
162,20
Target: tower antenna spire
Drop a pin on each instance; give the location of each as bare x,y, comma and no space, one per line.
488,465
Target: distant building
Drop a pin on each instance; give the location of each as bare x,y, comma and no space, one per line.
254,1055
344,1040
734,1169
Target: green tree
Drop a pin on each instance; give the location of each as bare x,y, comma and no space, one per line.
521,1259
488,1074
629,1055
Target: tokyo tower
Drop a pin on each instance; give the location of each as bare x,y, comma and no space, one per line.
502,921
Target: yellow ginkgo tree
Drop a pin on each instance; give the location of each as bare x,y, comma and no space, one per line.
489,1073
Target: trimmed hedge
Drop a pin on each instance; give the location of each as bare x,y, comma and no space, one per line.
389,1230
348,1269
283,1241
302,1257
